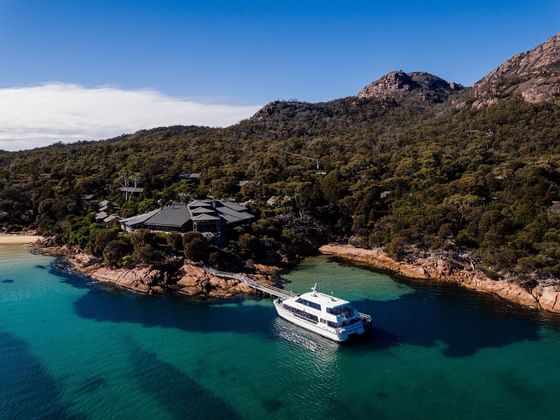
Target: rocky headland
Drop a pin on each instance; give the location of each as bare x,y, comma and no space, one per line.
191,279
544,296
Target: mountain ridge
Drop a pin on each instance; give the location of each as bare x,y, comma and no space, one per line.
533,76
398,85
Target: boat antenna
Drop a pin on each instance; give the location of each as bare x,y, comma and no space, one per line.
314,288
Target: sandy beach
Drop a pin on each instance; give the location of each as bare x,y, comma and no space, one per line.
15,239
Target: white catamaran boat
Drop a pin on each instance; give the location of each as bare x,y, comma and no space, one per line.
323,314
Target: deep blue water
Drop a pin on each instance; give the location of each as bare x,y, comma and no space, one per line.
71,349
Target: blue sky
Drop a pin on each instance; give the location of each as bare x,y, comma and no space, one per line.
246,53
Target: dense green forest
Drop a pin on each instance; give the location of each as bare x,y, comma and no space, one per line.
401,177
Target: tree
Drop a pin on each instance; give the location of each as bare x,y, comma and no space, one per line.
114,252
175,242
102,238
145,247
196,247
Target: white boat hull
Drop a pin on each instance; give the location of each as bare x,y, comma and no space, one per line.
336,334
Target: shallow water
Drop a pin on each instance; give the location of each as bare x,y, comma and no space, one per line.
72,349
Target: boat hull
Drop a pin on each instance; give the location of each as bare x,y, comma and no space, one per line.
339,336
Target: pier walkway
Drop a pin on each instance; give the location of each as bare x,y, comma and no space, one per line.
265,289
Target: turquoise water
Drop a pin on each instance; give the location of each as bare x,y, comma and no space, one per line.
72,349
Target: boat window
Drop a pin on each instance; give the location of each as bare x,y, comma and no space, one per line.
344,310
302,314
332,324
309,304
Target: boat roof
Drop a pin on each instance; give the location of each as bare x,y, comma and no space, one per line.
323,299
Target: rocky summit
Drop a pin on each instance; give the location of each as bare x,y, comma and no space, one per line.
532,75
398,85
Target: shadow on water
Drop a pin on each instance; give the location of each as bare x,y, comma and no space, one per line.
463,321
115,305
156,378
60,268
26,389
174,312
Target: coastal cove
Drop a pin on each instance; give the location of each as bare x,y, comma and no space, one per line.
197,279
433,268
72,348
280,210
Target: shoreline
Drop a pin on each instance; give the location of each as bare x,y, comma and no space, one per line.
199,281
434,268
19,238
190,279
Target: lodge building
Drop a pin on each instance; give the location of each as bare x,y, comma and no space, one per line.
206,216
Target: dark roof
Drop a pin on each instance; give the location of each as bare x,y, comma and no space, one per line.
202,210
110,218
205,218
176,215
229,211
101,215
201,203
232,216
186,175
139,218
132,189
231,205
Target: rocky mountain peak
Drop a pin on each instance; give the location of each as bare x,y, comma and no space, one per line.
533,75
398,85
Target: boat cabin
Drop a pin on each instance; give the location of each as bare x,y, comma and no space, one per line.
322,308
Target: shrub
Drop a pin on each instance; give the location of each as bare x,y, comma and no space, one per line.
115,251
101,239
197,249
175,243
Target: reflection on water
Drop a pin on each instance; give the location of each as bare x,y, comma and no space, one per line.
303,338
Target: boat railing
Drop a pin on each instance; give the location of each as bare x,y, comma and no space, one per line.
366,319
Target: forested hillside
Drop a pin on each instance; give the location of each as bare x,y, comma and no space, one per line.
395,174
